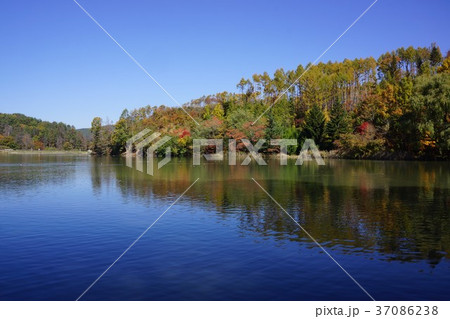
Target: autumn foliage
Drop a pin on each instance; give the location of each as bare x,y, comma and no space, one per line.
396,106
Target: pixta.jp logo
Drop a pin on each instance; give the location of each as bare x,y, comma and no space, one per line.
143,141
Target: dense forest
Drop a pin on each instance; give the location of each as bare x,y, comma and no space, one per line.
393,107
18,131
396,106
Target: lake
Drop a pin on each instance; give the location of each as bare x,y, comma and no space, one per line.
65,219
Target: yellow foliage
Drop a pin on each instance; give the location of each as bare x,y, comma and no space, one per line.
445,67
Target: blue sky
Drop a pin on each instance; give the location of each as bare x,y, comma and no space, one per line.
57,65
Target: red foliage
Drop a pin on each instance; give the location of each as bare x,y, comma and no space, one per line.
363,128
248,131
213,123
180,132
38,145
184,133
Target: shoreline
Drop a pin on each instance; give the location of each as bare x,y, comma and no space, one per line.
392,157
324,154
44,152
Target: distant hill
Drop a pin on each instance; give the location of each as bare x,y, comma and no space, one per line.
86,132
18,131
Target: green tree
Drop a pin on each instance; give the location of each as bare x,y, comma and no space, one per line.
7,142
339,123
435,56
96,128
314,127
24,130
292,133
120,136
67,146
431,115
278,119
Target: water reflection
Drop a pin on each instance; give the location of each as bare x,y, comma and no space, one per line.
398,209
19,173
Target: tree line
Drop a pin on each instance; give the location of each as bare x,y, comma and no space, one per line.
395,106
18,131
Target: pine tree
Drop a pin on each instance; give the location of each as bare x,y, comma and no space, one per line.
435,55
274,128
96,128
339,123
315,125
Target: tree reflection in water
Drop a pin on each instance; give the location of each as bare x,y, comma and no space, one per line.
400,210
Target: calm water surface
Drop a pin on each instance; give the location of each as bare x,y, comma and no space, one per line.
65,219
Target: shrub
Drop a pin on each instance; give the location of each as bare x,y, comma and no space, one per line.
360,146
8,142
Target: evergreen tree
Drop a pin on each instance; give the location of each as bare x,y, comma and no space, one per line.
96,127
292,133
315,125
270,129
430,126
339,123
435,55
274,128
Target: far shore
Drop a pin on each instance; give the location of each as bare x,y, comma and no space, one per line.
45,152
324,154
